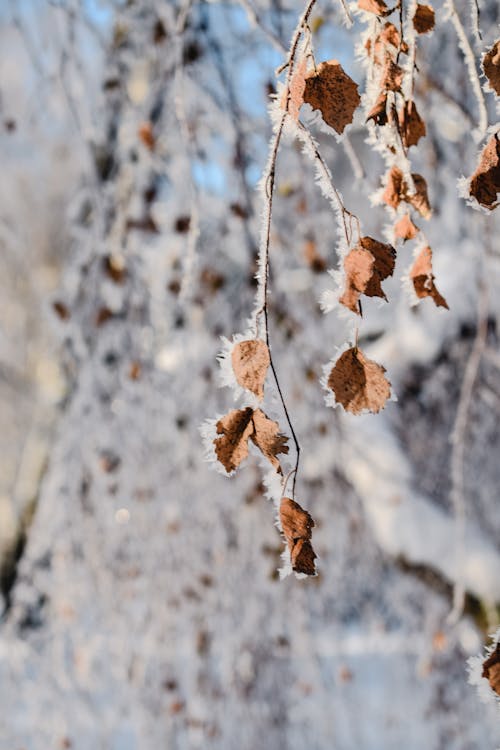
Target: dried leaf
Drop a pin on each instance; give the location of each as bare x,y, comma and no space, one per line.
420,199
387,44
395,187
412,127
423,20
61,309
390,35
146,135
366,266
491,669
315,261
235,428
491,67
405,229
267,437
297,524
334,93
250,360
378,112
396,191
393,76
359,383
485,182
423,278
293,98
373,6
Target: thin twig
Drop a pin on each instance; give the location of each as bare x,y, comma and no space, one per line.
457,439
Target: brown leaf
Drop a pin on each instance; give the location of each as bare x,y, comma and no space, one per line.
412,127
405,229
293,98
485,182
396,191
420,200
491,669
387,44
373,6
423,278
61,309
334,93
297,524
145,133
267,437
366,266
315,261
423,20
235,428
378,112
359,383
395,188
250,360
393,76
491,67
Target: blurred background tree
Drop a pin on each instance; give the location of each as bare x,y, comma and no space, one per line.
141,603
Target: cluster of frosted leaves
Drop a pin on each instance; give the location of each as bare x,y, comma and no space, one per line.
250,361
484,184
393,109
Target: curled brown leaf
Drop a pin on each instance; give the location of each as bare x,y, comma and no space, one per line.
405,229
366,266
491,67
412,127
359,383
293,98
423,278
297,524
373,6
491,669
250,360
334,93
240,425
485,182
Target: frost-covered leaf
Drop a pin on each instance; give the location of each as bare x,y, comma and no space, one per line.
491,67
267,437
250,360
420,200
485,182
412,127
394,190
393,76
366,266
293,98
423,20
423,278
234,428
491,669
297,524
237,427
378,112
405,229
359,383
334,93
373,6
